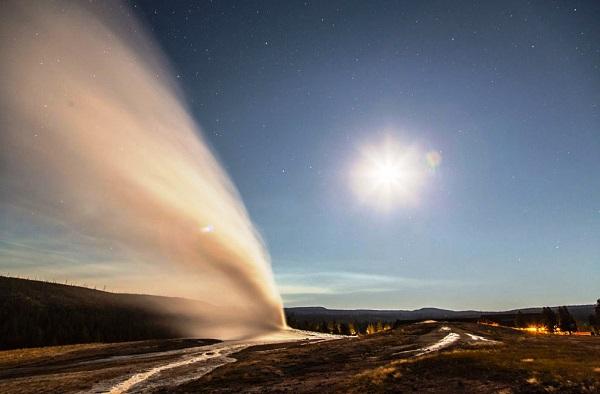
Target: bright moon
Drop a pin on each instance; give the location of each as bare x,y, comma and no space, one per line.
389,174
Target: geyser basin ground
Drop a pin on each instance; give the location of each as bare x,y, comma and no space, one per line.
131,366
515,362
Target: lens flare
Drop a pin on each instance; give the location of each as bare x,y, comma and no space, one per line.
434,159
388,175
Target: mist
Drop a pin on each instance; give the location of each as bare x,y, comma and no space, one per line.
105,174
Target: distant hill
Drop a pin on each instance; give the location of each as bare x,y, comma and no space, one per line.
312,314
385,315
36,313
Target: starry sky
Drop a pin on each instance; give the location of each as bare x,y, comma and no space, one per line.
508,93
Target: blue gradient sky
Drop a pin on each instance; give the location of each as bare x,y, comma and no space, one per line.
509,92
288,92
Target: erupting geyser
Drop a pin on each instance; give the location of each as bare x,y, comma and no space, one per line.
104,172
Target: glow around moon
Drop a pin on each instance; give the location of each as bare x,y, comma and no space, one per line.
391,174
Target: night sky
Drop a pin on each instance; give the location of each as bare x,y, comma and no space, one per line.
287,93
508,93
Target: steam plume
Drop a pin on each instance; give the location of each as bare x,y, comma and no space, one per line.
101,161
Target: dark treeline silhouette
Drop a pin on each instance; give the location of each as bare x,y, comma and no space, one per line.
358,322
35,313
552,321
331,326
356,326
561,319
548,319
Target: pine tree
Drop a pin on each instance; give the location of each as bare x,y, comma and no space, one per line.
335,328
520,320
549,319
595,319
344,328
593,324
324,327
352,328
566,322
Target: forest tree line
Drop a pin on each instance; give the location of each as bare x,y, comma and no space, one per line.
24,325
560,321
35,313
549,320
355,327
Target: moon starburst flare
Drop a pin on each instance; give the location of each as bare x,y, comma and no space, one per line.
390,174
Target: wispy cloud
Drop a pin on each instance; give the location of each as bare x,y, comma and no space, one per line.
303,289
342,282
